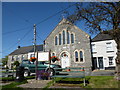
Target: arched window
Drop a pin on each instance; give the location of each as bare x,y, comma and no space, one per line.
63,37
68,38
76,56
53,54
59,39
56,40
81,56
72,38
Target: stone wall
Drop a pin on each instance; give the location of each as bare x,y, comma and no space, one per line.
82,42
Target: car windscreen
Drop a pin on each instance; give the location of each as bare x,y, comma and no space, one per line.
43,62
25,62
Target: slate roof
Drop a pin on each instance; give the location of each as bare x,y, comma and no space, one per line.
25,50
101,37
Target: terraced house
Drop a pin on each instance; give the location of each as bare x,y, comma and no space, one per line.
22,53
104,50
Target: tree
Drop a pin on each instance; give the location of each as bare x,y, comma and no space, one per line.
16,63
101,17
4,60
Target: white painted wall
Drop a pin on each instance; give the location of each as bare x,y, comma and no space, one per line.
101,51
42,56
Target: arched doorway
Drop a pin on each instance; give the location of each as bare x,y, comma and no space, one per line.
65,62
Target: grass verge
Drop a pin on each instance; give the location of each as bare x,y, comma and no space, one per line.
7,78
91,82
102,82
13,85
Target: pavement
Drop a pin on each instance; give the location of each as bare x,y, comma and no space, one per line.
35,84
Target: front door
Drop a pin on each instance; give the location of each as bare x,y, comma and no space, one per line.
94,63
100,61
65,60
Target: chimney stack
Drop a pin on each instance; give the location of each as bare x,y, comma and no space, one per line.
18,47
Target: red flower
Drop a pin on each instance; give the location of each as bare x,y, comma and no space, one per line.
54,58
32,59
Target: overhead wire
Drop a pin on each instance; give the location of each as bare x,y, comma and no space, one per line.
16,30
55,14
40,21
18,41
17,15
38,24
39,38
26,20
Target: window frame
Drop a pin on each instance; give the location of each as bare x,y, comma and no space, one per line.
53,53
68,37
76,57
32,55
109,46
63,35
111,61
93,48
60,39
79,61
82,56
72,38
56,40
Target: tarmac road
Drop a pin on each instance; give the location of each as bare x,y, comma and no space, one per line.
6,74
103,73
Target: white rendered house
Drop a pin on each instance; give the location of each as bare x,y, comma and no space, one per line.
104,50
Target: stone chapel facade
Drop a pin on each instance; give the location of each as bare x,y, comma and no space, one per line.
70,44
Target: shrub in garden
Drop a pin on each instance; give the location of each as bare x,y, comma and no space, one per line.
42,74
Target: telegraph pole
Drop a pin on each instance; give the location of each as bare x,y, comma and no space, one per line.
35,52
34,38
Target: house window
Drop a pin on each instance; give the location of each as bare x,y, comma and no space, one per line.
63,37
59,39
81,56
76,56
72,38
109,46
22,57
110,60
68,38
17,58
12,58
32,55
53,54
93,48
56,40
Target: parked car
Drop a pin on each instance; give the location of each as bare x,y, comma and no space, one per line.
29,67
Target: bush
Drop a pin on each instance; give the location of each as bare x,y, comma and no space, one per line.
16,63
42,74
